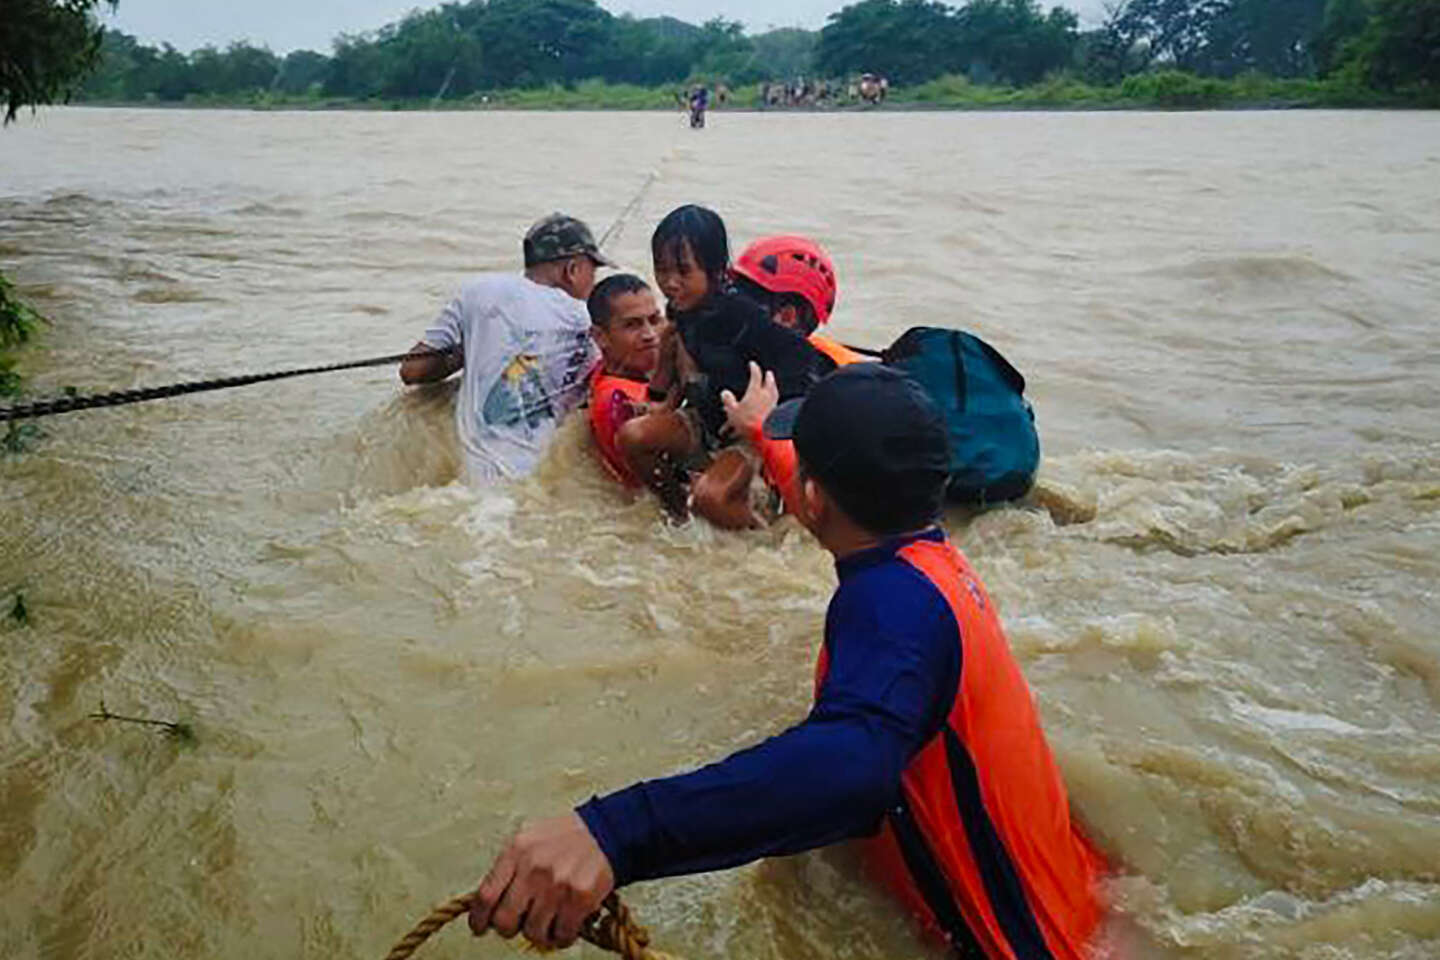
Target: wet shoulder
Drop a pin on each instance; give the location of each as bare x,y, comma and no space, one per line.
514,295
891,595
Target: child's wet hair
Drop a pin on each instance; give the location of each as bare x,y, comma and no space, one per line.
703,230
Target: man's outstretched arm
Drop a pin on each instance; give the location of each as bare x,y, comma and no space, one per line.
442,350
829,778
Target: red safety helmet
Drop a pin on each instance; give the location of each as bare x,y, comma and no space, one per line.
792,264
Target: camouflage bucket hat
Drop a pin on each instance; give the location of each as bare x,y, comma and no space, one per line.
556,237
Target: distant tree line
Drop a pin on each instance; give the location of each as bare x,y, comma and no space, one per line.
1385,43
460,49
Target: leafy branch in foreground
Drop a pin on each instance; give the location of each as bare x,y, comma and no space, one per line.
177,730
46,49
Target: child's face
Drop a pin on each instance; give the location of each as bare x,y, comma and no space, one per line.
681,279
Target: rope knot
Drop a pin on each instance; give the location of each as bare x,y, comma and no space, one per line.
612,928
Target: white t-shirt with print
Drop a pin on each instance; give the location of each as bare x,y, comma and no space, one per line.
528,355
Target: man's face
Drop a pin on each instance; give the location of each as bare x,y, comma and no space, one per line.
630,342
681,279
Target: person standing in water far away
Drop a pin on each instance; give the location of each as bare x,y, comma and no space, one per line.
523,344
628,326
923,737
699,103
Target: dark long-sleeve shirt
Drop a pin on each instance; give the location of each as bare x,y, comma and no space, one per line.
894,671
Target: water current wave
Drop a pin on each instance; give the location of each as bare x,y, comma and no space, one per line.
1222,589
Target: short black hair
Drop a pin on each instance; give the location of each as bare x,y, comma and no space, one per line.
906,503
607,290
771,302
703,230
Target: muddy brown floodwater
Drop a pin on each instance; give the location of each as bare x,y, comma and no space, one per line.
1224,591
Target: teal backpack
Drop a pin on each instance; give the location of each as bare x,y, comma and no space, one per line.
994,449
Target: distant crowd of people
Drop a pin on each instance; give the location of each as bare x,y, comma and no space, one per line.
868,88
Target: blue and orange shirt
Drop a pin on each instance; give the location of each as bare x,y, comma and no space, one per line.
923,736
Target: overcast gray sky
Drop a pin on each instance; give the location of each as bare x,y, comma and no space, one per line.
285,25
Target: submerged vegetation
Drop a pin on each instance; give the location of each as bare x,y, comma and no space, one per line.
19,613
18,323
174,729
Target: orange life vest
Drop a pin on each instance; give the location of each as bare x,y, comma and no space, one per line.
841,354
612,402
982,847
777,457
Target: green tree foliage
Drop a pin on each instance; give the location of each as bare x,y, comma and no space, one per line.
1174,34
1224,38
466,47
303,71
723,50
46,48
1013,41
788,52
1400,46
1343,21
457,49
1275,37
911,41
531,43
239,68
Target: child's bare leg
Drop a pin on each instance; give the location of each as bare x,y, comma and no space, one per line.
655,446
722,493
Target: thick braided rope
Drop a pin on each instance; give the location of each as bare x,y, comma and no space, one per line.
45,408
611,928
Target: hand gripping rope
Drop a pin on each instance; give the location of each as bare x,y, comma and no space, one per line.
46,408
611,928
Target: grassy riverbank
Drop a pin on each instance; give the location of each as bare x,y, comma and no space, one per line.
1163,90
1166,90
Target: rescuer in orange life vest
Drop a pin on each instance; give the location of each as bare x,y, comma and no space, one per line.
794,278
627,326
923,738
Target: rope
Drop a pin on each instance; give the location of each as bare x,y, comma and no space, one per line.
629,209
46,408
614,229
611,928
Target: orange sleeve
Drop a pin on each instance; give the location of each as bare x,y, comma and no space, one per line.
778,464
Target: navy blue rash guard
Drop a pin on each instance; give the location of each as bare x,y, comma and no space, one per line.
894,672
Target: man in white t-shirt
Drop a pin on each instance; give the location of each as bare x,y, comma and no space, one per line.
524,345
